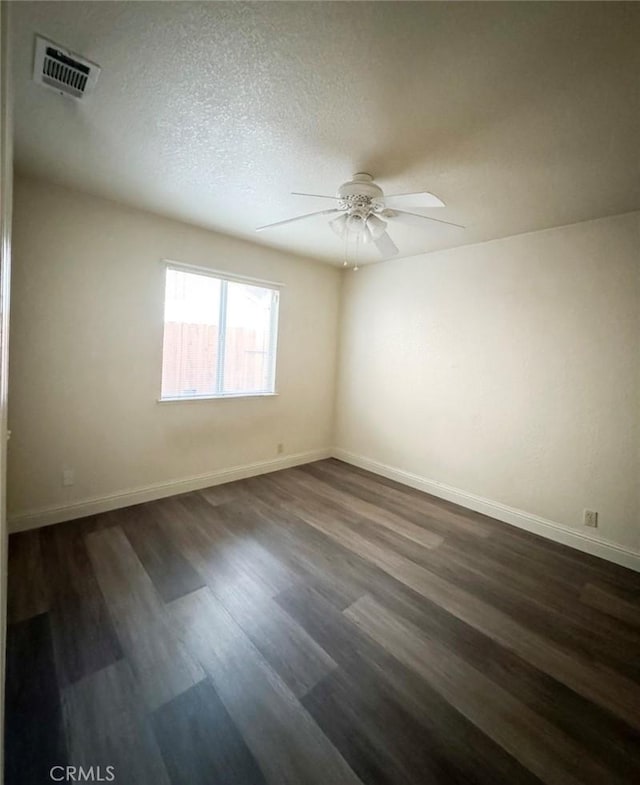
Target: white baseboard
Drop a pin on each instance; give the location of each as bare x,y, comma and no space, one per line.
34,519
558,532
627,557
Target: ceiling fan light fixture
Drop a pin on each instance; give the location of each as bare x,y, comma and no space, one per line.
376,226
339,225
355,223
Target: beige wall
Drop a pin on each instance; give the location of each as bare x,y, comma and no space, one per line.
86,348
509,370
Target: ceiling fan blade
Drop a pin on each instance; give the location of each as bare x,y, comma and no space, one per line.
298,218
417,199
412,208
317,196
385,245
375,225
414,219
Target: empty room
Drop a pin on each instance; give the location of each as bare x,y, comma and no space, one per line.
320,393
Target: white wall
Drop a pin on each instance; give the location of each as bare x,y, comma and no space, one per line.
509,370
86,348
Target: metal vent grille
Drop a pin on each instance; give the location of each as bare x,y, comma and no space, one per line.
63,71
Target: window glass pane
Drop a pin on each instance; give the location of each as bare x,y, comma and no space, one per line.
190,352
248,362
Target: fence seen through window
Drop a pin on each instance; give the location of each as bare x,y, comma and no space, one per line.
219,336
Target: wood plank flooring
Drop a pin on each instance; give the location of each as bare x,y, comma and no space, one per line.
318,626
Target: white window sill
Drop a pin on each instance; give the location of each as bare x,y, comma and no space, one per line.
191,398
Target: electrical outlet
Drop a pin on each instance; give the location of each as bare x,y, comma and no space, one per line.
68,477
280,448
591,518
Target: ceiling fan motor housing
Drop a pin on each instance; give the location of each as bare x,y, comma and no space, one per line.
361,191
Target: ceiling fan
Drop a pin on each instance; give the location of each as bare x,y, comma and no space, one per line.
363,211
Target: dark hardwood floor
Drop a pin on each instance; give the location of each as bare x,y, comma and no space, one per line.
319,625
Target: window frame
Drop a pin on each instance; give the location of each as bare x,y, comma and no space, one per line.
225,278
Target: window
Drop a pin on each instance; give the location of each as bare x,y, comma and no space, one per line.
219,336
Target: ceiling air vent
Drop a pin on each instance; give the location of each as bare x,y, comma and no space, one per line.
63,71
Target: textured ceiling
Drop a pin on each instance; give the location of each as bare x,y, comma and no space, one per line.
520,116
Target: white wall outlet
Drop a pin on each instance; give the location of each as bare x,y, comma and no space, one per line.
591,518
68,477
280,448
